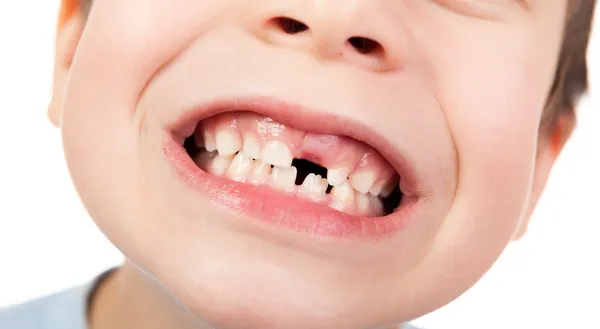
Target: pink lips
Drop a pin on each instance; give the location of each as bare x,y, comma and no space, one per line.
262,203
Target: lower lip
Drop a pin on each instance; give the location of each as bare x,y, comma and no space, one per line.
286,212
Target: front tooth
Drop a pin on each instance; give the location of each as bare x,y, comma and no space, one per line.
239,168
284,178
314,187
228,142
337,177
343,196
362,180
277,154
209,142
260,172
219,165
252,147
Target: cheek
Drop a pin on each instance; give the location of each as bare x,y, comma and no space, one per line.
491,87
493,110
101,126
494,126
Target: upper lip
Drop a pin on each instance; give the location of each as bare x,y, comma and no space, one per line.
306,119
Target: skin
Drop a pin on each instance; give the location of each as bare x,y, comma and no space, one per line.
464,85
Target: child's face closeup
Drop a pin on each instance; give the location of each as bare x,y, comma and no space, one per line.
304,163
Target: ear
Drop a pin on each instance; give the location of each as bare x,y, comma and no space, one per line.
549,148
70,27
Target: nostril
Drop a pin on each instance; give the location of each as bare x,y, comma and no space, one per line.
365,45
289,25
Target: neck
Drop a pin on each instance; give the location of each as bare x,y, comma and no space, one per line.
131,299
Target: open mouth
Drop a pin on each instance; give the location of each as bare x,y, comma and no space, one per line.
335,171
282,173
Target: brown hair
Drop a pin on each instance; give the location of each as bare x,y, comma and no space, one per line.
571,77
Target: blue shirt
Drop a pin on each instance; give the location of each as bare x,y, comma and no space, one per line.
64,310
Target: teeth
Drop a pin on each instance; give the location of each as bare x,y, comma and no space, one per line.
203,159
362,180
277,154
363,204
337,177
240,167
251,147
219,165
314,187
260,172
228,142
284,178
376,205
209,142
388,188
343,196
198,138
377,187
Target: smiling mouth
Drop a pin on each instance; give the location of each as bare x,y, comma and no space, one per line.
335,171
247,157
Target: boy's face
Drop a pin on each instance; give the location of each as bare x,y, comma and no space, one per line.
446,94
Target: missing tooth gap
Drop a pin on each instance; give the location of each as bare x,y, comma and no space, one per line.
305,168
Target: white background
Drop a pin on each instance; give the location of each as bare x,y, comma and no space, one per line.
48,243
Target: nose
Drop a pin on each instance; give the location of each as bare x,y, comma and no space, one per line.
362,33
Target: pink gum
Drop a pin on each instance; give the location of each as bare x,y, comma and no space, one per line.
329,151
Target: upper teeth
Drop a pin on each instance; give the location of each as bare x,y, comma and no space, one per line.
250,159
388,188
209,142
362,180
377,187
228,142
337,177
252,147
277,154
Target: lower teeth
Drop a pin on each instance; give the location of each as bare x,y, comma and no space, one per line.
303,179
314,187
